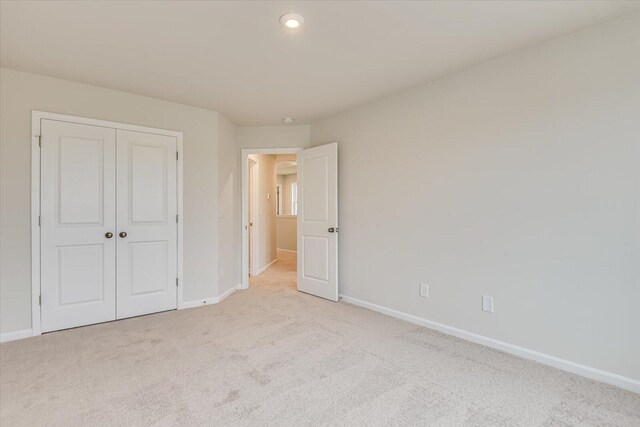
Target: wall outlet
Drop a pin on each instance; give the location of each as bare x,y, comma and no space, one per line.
487,304
424,290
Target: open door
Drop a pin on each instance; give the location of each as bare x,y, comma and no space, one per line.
318,221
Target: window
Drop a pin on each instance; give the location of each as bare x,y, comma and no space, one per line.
294,198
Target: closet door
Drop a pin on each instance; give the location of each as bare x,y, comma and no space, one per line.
147,224
78,243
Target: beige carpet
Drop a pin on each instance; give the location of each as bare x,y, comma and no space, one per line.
272,356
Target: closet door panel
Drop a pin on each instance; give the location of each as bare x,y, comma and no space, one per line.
146,219
78,259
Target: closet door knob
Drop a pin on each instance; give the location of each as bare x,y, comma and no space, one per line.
108,235
123,234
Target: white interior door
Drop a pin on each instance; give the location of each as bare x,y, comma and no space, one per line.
78,255
147,223
318,221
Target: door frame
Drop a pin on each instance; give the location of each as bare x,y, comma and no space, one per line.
253,234
36,117
279,199
244,219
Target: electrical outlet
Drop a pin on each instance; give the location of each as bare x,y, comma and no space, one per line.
487,304
424,290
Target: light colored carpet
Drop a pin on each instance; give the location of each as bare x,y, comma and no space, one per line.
272,356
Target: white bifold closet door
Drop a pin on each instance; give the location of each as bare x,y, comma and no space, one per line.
108,224
78,195
147,226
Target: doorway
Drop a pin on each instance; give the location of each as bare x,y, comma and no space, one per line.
302,197
286,204
272,222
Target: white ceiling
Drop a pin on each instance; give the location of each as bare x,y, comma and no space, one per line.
286,167
235,57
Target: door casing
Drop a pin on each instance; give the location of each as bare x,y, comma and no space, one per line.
36,117
254,217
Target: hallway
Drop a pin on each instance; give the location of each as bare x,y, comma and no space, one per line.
280,276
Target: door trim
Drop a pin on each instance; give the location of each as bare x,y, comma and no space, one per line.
254,230
244,219
36,118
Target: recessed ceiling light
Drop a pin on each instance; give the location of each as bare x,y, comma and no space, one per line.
287,120
292,20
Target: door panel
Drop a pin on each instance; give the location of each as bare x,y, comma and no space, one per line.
148,264
77,210
81,175
318,221
316,258
81,271
148,185
315,206
146,212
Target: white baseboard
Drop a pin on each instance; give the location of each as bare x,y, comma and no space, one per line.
28,333
287,250
198,303
16,335
229,292
263,269
210,300
566,365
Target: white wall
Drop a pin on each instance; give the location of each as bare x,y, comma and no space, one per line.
286,233
286,224
519,179
266,209
285,136
22,92
229,182
286,181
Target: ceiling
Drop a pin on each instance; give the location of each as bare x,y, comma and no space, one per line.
286,167
236,58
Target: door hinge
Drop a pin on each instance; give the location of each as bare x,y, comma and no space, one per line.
176,281
40,141
39,299
39,220
176,219
177,155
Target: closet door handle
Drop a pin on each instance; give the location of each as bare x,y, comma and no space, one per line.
108,235
123,234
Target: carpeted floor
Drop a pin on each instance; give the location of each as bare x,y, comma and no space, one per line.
272,356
